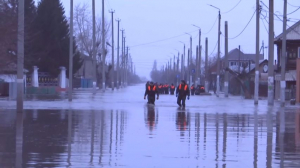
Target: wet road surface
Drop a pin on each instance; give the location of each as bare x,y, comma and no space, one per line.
119,130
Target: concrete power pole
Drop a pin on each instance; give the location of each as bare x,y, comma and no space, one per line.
206,65
118,54
183,60
188,67
123,64
20,61
218,60
71,53
103,48
182,67
271,54
256,81
199,57
113,50
126,67
283,56
196,76
191,58
226,59
122,59
94,48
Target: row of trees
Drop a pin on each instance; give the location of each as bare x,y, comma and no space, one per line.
46,36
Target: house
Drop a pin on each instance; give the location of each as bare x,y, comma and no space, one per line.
293,53
237,61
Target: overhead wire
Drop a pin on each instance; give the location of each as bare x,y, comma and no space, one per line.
214,49
157,41
294,11
232,8
264,25
244,27
292,5
212,26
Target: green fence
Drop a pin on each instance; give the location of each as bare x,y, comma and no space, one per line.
41,90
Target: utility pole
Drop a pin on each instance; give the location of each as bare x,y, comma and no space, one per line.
174,69
177,72
239,62
183,62
118,54
126,68
199,57
218,60
271,54
199,64
226,59
20,61
206,65
71,53
188,67
122,59
94,48
283,56
256,81
196,69
113,50
182,67
103,48
191,58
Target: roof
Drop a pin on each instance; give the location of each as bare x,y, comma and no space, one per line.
292,33
236,53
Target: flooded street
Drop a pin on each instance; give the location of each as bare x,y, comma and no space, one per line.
122,131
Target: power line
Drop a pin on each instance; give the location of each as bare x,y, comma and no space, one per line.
292,5
232,8
294,11
264,25
213,49
212,26
157,41
244,27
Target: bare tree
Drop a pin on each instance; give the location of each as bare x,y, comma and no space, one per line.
83,30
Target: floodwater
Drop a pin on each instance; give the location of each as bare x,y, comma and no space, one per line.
119,130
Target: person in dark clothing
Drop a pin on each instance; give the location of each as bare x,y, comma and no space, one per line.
182,92
193,89
172,89
166,88
151,90
160,88
147,84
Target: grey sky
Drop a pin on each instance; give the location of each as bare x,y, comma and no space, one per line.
147,21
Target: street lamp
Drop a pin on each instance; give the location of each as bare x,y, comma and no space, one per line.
182,61
218,59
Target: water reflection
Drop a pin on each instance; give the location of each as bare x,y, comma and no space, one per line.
151,117
110,138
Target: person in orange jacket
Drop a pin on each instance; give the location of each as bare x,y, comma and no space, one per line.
182,92
151,91
172,89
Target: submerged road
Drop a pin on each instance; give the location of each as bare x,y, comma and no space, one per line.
118,129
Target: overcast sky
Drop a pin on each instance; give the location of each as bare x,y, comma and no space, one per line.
154,28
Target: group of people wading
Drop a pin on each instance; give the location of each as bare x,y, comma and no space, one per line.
182,92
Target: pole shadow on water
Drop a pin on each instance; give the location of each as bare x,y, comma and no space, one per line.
19,140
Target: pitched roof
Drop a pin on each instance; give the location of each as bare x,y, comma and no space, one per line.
235,54
292,33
